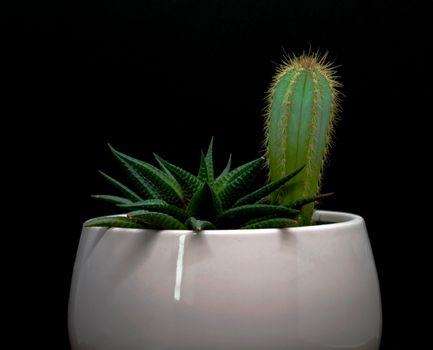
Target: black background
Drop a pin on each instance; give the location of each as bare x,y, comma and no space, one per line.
164,76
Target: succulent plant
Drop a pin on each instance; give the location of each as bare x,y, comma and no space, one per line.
169,197
302,107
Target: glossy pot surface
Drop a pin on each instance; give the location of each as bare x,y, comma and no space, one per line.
305,288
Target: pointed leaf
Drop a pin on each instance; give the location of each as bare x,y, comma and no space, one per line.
125,190
233,174
204,204
209,163
206,170
142,184
150,179
271,223
266,190
156,220
162,165
112,199
199,225
226,169
159,206
237,182
112,221
202,171
251,211
303,201
188,182
145,202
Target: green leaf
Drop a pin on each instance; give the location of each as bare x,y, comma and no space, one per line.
204,204
150,179
202,172
199,225
125,190
234,185
297,204
271,223
209,163
188,182
233,174
112,221
145,202
206,171
146,189
156,220
159,206
163,167
112,199
226,169
250,211
266,190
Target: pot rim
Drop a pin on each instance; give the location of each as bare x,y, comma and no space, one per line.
328,220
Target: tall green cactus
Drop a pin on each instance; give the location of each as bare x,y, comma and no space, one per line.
302,107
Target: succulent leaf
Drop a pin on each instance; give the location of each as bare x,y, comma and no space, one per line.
163,166
299,203
112,199
125,190
188,182
204,204
250,211
199,225
241,179
141,183
235,173
209,163
206,170
159,206
156,220
266,190
226,169
112,221
150,179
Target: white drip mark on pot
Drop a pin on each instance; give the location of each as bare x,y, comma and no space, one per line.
179,267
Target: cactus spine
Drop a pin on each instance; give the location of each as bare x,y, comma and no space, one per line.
302,107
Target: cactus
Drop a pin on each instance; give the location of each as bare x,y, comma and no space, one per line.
302,107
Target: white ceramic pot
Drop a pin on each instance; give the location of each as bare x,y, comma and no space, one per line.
306,288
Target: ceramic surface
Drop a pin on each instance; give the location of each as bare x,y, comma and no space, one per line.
307,288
